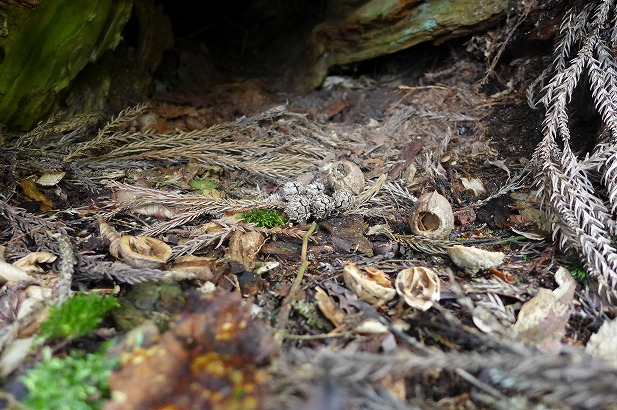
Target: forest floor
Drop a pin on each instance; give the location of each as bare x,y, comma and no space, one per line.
313,313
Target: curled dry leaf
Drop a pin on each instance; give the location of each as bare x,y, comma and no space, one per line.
419,286
244,247
29,263
136,251
472,260
202,267
141,251
370,284
432,216
328,307
11,273
155,210
542,319
346,175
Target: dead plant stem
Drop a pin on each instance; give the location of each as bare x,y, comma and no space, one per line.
283,315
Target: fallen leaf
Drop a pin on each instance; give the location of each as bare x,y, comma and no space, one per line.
31,190
50,178
30,262
542,320
244,247
420,287
328,307
370,284
11,273
202,267
473,184
472,260
603,344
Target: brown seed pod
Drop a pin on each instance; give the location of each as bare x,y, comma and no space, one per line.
346,175
432,216
419,286
370,284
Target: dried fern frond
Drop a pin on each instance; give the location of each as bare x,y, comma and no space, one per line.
204,236
274,144
568,185
185,207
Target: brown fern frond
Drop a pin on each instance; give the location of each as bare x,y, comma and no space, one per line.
569,185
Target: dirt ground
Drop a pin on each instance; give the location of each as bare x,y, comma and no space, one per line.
270,306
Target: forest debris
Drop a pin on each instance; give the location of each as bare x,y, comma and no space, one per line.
50,178
328,307
603,344
222,367
370,284
420,287
244,248
432,216
346,175
472,260
11,273
202,267
136,251
474,184
347,234
31,190
30,263
542,320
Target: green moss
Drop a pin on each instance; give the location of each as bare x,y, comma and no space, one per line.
78,381
77,316
47,47
265,218
581,276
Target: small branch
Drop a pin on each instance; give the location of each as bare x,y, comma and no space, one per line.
283,316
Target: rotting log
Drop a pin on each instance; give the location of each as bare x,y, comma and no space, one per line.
381,27
47,47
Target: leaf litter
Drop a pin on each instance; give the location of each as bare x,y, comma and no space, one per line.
353,308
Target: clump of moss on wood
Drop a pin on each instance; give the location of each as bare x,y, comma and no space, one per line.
264,218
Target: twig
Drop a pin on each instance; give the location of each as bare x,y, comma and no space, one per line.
283,316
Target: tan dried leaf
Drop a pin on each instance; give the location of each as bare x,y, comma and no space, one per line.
472,260
542,319
140,251
30,262
202,267
419,286
50,178
11,273
370,284
155,210
328,307
244,247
